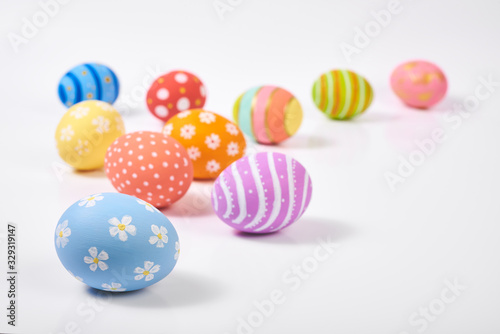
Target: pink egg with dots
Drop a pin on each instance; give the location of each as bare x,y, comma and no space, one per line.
175,92
150,166
419,83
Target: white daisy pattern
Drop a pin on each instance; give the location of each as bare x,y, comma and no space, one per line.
122,227
90,201
114,287
232,129
104,106
232,149
148,206
67,133
184,114
212,141
212,166
167,130
96,260
188,131
160,238
101,124
79,112
207,117
193,152
62,233
146,272
178,250
82,147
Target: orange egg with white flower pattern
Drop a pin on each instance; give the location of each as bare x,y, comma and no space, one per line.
213,142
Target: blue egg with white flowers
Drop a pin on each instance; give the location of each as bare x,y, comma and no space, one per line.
89,81
116,242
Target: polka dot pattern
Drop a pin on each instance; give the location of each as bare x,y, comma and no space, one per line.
175,92
150,166
212,141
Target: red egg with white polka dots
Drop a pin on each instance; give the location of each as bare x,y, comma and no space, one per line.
175,92
150,166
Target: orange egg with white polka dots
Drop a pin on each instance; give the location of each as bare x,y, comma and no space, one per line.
150,166
212,142
175,92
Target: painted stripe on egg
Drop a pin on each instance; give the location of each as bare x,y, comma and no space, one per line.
343,95
260,192
260,109
291,194
240,195
227,196
277,195
245,112
268,114
254,177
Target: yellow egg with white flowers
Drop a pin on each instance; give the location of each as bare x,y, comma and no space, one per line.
85,132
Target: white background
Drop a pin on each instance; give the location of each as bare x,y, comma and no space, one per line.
395,248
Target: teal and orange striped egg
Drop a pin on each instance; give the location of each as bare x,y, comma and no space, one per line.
342,94
268,114
89,81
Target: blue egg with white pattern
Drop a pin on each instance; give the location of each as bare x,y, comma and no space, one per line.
116,242
89,81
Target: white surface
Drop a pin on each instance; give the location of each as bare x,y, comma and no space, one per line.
395,249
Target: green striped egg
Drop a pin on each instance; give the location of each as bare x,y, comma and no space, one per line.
342,94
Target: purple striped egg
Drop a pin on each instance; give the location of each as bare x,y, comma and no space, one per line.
262,193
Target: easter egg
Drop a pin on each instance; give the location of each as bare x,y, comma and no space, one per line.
342,94
262,193
212,141
88,82
419,84
175,92
150,166
85,132
268,114
116,242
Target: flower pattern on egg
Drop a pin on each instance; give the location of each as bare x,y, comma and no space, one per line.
160,237
101,123
148,206
122,227
96,260
147,272
232,129
79,112
207,117
194,152
188,131
178,250
212,166
113,287
62,233
82,147
232,149
111,265
67,133
212,141
90,201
